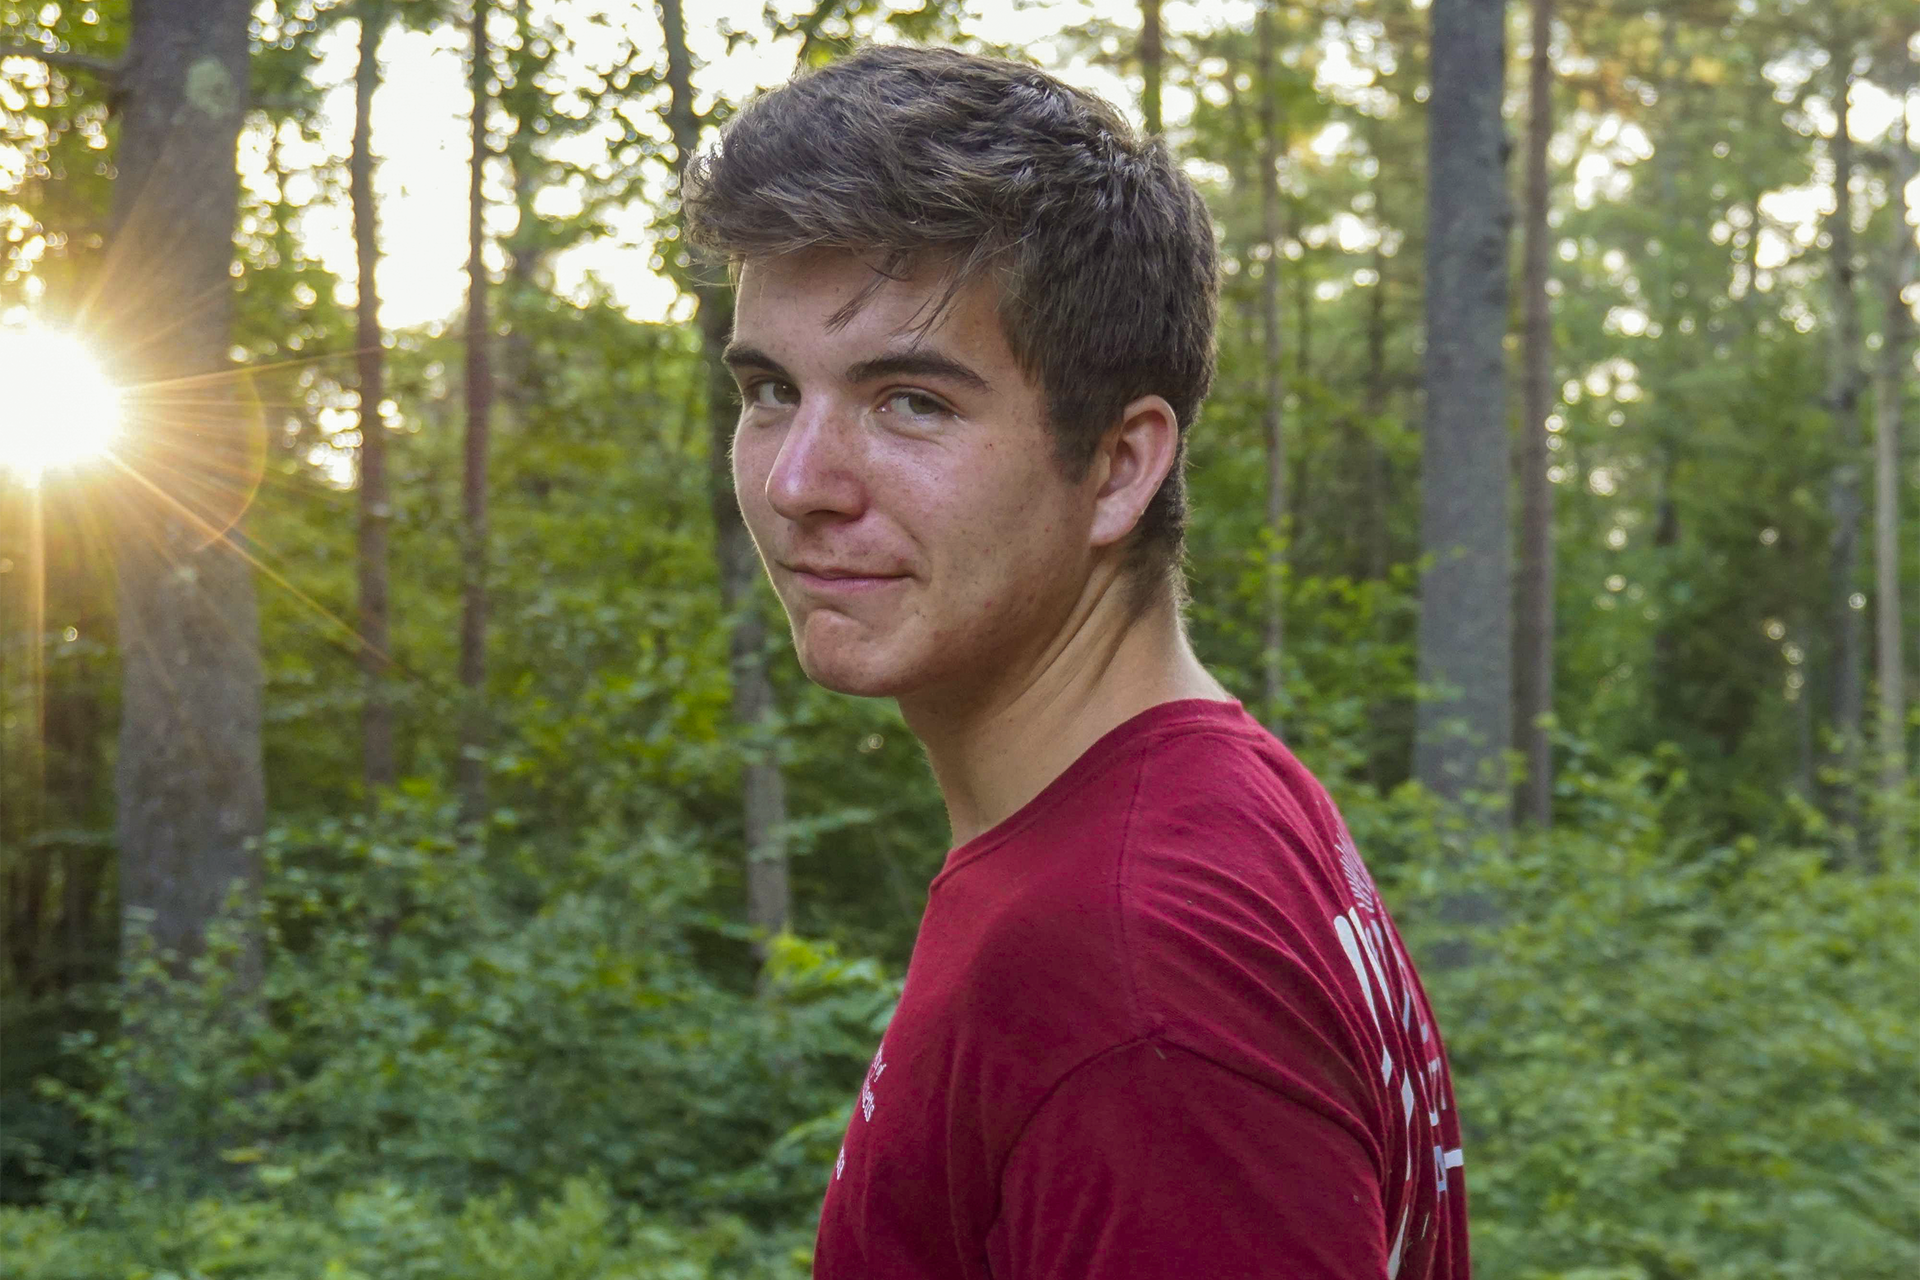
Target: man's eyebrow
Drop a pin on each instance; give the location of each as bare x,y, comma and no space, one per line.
737,356
918,364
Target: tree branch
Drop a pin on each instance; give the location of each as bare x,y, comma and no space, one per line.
107,69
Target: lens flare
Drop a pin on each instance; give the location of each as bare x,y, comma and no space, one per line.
57,407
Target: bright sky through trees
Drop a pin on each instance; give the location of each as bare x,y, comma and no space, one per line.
420,138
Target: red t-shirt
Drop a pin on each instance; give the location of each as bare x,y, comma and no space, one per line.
1157,1024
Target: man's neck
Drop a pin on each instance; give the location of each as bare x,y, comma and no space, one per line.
991,758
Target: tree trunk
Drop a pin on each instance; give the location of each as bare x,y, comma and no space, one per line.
378,766
23,765
471,770
1374,402
1465,639
25,874
76,760
1302,320
26,913
1152,64
1666,704
524,255
189,787
1533,644
1802,699
1896,362
1845,403
1663,680
16,792
1274,380
769,896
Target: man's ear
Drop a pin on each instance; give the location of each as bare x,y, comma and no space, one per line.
1134,459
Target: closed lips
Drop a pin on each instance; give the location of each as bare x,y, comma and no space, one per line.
840,573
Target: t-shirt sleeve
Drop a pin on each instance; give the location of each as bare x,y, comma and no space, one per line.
1152,1162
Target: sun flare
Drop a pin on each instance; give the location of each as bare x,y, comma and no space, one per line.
57,407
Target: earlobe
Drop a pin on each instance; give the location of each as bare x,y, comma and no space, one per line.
1137,456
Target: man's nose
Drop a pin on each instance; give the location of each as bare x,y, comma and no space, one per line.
817,470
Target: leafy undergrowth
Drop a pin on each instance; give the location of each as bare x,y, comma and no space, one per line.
1674,1059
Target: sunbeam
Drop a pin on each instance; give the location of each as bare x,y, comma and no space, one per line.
57,407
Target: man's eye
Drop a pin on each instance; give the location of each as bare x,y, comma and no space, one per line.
770,393
914,404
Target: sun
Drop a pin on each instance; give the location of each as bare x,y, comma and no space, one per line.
57,407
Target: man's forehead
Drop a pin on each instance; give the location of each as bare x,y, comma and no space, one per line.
836,276
865,299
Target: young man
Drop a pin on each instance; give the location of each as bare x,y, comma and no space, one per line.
1157,1023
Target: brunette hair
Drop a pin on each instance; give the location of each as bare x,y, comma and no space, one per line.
1101,247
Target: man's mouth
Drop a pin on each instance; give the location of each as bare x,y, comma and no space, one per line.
839,579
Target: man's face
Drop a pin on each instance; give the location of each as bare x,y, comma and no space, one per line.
901,490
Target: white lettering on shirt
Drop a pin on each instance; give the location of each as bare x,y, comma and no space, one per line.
1372,953
874,1072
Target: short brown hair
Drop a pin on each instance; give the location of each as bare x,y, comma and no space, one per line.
1103,250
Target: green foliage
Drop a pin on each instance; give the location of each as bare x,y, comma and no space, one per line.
385,1230
57,131
1675,1058
426,1017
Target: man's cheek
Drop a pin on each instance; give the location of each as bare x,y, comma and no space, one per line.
742,483
749,490
757,521
749,467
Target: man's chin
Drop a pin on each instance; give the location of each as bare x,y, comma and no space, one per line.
852,679
838,654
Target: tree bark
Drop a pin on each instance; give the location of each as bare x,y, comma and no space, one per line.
189,786
1804,784
471,771
1896,362
1273,391
1845,403
23,762
1663,680
75,757
26,941
377,761
1665,697
769,895
524,253
1302,320
27,870
1152,65
1378,481
1533,646
1465,639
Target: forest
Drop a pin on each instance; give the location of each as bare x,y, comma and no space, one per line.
423,855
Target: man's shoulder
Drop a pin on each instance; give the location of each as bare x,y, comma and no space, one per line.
1052,937
1200,814
1209,851
1235,878
1225,843
1210,792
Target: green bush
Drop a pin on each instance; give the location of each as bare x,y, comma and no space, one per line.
1676,1059
387,1232
421,1021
